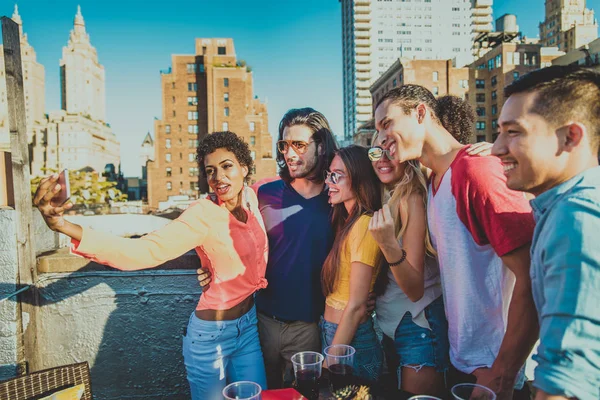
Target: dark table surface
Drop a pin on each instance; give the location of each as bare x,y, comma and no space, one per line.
382,390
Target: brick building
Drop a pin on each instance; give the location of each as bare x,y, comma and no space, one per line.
500,66
439,76
206,92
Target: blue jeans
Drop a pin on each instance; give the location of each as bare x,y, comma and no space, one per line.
217,353
368,358
419,347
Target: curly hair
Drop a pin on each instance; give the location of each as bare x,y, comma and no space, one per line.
228,141
457,116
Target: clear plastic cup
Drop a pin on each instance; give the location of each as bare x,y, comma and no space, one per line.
307,371
424,397
244,390
339,359
471,391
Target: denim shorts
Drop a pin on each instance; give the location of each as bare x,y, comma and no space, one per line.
368,358
419,347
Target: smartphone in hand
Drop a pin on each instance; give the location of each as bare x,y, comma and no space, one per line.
65,189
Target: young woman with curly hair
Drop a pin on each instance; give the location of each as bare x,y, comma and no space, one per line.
227,232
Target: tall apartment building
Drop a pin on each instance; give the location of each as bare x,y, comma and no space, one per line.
205,92
82,76
33,86
78,136
568,25
482,21
488,76
376,33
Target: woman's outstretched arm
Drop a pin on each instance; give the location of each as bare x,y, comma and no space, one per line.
167,243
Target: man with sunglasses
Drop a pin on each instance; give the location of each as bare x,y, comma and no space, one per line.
296,213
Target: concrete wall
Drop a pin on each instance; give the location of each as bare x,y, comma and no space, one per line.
8,309
127,325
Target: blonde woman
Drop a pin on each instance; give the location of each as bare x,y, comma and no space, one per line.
410,309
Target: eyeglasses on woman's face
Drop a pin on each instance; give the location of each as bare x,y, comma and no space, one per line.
332,177
376,153
299,146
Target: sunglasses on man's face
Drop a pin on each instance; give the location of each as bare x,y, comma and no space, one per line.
333,177
376,153
299,146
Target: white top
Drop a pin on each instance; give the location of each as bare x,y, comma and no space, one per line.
393,304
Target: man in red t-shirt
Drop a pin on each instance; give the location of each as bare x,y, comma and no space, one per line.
481,231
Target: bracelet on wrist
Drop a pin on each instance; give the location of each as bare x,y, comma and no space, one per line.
400,261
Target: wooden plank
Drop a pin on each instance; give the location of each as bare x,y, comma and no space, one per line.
7,195
21,180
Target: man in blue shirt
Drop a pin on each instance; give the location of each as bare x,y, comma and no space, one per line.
296,212
548,142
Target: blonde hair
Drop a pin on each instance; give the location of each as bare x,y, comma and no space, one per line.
396,196
413,181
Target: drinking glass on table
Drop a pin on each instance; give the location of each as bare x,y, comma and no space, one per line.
307,370
424,397
243,390
471,391
339,359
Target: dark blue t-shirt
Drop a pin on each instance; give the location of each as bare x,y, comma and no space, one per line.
300,237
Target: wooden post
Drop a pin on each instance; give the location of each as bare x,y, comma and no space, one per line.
27,273
7,196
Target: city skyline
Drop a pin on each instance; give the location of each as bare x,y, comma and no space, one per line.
295,51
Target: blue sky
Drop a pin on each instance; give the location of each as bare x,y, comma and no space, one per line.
293,46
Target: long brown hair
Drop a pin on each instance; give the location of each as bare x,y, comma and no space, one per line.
413,181
366,188
321,134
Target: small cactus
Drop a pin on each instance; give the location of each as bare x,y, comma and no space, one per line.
346,393
353,393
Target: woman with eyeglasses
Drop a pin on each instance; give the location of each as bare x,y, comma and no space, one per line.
221,344
409,308
350,270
